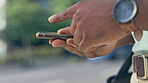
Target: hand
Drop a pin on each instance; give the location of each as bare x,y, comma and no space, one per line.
96,52
92,24
69,45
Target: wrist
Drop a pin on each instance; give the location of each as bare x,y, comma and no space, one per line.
141,17
127,40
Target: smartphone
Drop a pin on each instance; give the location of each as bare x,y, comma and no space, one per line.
52,35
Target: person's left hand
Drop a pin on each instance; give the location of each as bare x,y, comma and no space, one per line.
92,24
69,45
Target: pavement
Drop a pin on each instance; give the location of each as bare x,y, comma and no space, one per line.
66,72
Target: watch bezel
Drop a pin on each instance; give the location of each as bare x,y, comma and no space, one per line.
135,9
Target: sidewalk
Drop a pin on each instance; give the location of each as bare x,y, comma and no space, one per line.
81,72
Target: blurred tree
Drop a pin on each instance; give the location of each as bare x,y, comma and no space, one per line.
60,5
26,17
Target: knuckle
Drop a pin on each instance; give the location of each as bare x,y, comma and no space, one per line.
68,12
82,49
97,54
65,13
99,51
79,26
84,46
76,41
72,31
77,16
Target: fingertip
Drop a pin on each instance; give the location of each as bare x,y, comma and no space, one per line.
60,31
64,30
58,43
51,19
50,41
71,42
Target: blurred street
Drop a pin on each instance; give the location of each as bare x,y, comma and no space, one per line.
62,72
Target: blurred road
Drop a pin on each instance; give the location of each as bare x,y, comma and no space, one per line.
80,72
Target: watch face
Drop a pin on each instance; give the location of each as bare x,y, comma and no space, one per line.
125,11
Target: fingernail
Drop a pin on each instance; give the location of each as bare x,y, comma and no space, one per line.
50,19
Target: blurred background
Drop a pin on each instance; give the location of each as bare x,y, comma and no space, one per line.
26,59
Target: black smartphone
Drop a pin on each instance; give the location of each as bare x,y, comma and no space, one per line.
52,35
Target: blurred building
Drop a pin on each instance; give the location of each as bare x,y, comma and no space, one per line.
3,45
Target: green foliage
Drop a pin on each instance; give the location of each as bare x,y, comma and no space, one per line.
25,18
60,5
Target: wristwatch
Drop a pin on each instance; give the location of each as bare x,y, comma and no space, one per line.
124,12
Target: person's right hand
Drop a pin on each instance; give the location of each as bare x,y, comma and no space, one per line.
69,45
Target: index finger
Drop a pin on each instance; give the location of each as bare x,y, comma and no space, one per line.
64,15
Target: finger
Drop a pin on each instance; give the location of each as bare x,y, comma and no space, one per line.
64,31
77,36
85,46
89,54
99,51
61,31
71,42
104,50
73,50
58,43
67,14
50,41
92,49
76,19
73,25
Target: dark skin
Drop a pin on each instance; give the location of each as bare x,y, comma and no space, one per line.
96,52
89,24
94,27
141,20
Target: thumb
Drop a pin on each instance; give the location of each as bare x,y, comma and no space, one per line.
64,15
